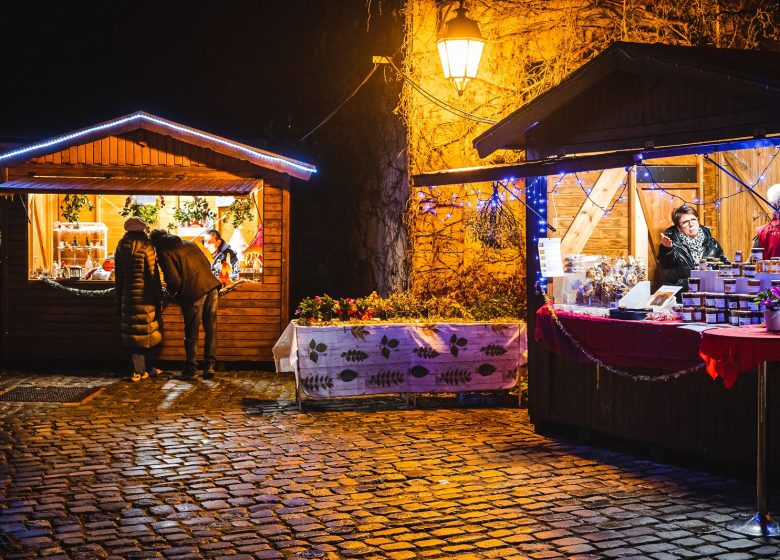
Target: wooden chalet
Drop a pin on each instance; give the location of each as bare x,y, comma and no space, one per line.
713,111
136,155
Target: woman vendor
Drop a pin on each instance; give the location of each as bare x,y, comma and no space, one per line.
768,236
683,244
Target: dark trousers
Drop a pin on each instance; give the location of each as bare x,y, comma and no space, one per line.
143,359
203,309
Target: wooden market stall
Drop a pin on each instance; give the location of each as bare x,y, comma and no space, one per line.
695,121
149,162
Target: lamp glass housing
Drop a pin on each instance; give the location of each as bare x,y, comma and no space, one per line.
460,49
460,60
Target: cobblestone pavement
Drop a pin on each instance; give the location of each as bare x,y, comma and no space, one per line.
229,469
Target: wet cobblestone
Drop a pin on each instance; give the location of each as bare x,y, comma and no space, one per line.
230,469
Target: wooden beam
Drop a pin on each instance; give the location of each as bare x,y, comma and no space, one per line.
591,210
637,226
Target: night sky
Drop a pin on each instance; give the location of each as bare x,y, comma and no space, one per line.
260,72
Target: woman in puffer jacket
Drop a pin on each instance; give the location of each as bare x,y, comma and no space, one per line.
138,296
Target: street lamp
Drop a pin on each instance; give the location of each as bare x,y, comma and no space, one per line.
460,48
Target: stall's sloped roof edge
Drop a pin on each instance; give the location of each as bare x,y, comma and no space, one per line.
749,72
581,163
131,185
147,121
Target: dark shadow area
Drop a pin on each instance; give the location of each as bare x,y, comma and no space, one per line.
619,452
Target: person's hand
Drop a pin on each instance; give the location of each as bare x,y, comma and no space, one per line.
665,241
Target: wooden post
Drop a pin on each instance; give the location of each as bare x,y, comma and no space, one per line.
4,201
537,360
700,180
637,226
284,313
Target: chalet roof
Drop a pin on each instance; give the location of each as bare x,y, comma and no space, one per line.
731,82
205,186
147,121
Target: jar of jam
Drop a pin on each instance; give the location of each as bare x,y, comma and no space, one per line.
756,318
698,315
709,299
732,301
756,254
730,285
710,315
694,284
743,302
749,270
686,314
753,285
743,318
733,318
737,256
722,316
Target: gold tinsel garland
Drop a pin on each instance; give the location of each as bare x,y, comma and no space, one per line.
633,376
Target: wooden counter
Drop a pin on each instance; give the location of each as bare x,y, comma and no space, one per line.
51,325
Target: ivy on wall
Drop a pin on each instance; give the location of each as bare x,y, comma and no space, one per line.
531,45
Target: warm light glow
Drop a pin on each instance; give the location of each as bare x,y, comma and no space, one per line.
460,49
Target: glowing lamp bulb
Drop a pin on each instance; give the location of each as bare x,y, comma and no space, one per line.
460,49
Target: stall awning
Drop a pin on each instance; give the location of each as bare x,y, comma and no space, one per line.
580,163
132,185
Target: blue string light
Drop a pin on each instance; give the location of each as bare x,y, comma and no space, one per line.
285,162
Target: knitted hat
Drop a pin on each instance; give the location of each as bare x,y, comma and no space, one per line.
135,223
773,194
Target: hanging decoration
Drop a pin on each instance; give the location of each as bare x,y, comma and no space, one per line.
239,211
149,213
494,224
71,207
195,212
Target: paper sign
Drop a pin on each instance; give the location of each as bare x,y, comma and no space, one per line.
550,261
663,297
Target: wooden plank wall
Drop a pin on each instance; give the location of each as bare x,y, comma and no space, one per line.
142,148
565,196
693,414
46,324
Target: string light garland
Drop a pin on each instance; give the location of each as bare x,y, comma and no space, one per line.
633,376
109,291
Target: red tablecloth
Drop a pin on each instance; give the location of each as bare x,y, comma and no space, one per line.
729,352
651,344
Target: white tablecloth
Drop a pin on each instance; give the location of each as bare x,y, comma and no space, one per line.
348,360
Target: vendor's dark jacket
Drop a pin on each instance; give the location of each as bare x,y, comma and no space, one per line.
186,269
224,251
678,260
138,291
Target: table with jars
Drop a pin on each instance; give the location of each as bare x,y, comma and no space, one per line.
728,292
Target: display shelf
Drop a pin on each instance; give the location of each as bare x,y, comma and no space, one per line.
80,243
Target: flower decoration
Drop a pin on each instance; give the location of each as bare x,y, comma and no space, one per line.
769,298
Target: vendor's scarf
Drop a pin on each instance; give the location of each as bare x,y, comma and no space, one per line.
695,244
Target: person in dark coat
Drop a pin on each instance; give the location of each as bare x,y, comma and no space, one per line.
220,251
683,244
189,280
139,297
